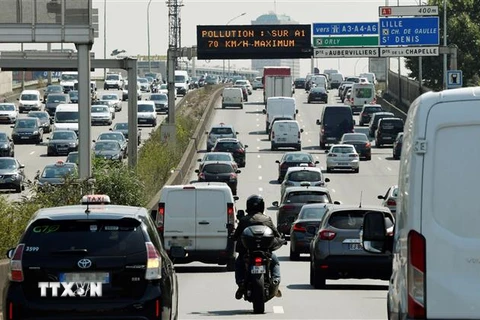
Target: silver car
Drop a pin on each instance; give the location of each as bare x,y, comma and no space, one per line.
390,199
298,176
115,99
336,251
343,156
219,131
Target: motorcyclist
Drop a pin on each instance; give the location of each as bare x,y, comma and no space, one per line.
254,208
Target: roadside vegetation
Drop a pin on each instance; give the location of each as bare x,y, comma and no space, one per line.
134,187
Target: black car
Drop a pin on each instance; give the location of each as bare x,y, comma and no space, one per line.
294,159
373,125
335,121
367,111
54,100
123,128
387,131
62,142
53,88
73,96
397,146
360,142
114,135
94,243
109,150
219,171
7,148
12,175
27,130
317,94
299,83
45,120
235,147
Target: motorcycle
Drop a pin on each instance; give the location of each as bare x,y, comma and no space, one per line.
260,242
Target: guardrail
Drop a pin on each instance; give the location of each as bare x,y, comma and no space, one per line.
391,108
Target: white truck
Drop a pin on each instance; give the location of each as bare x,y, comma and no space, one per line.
278,82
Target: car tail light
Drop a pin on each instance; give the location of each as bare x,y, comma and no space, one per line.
201,175
332,155
368,144
416,275
161,217
230,214
258,261
273,135
16,270
288,207
353,156
322,131
157,308
241,151
233,176
327,235
298,135
154,263
284,166
391,202
299,227
311,164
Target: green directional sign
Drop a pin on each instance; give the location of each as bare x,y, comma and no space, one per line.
345,41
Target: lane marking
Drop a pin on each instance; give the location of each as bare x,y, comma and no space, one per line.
389,169
259,167
258,148
260,178
258,156
260,189
309,140
379,158
333,190
258,139
278,309
32,152
258,125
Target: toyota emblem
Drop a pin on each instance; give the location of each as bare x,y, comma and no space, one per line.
84,263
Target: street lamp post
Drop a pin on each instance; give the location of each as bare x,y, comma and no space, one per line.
223,72
148,35
104,36
445,44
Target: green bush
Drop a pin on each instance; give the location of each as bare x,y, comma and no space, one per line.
125,186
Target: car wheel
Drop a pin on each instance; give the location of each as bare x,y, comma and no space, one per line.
318,279
369,157
18,189
294,256
360,124
273,147
322,145
356,170
329,170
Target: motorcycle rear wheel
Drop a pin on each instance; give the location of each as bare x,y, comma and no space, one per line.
258,294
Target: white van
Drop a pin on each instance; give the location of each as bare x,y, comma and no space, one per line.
436,243
370,77
182,81
29,100
232,97
335,80
320,81
199,219
66,117
362,94
286,134
279,106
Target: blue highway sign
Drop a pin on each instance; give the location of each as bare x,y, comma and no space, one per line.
454,79
348,28
419,31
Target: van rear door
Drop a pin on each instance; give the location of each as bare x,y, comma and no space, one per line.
211,219
449,210
179,218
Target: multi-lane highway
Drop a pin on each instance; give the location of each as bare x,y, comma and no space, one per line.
207,290
35,158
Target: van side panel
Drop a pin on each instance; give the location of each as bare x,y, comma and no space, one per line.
211,220
179,219
450,212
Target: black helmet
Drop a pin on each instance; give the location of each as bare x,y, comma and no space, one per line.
255,204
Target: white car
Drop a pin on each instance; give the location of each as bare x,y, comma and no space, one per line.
245,83
116,100
101,115
343,156
146,113
8,112
144,85
164,89
302,176
108,103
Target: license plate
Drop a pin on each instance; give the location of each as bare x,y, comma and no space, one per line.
142,120
333,138
343,164
387,138
257,270
180,243
25,137
282,139
62,149
355,246
103,277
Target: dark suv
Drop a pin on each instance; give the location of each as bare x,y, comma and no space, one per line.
235,147
373,125
109,256
387,131
335,121
367,111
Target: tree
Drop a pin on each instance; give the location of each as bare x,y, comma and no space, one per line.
463,30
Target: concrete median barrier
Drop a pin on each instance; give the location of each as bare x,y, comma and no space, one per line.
387,106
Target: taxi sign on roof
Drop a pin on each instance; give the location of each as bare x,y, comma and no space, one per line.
95,199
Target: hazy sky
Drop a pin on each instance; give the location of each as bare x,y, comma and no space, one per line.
127,24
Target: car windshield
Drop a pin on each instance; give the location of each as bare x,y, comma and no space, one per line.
343,150
164,87
312,213
54,89
56,98
217,157
121,126
111,136
142,80
63,135
307,197
112,77
100,109
7,107
29,97
3,137
72,157
221,130
107,146
217,168
318,90
146,108
55,172
158,97
179,79
66,117
73,94
22,123
304,175
354,137
373,109
7,164
353,219
103,102
109,97
391,124
227,146
69,77
39,115
298,157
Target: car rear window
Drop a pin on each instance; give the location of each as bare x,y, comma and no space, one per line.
217,168
353,219
298,176
373,109
307,197
221,131
391,124
312,213
336,115
228,146
343,150
94,237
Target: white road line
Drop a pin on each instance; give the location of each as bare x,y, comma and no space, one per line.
258,119
310,141
259,167
258,125
379,158
260,178
32,152
333,190
258,140
389,169
260,189
278,309
258,148
258,156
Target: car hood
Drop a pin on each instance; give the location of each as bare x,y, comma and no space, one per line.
100,114
54,142
51,180
9,113
23,130
7,171
4,145
66,126
105,153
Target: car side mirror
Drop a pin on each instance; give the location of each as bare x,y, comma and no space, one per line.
380,197
153,214
12,127
240,214
93,141
317,162
22,166
48,138
197,171
337,202
10,253
311,229
275,203
296,111
264,111
206,132
236,198
238,171
199,160
237,132
326,151
374,234
301,130
318,122
18,99
327,180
